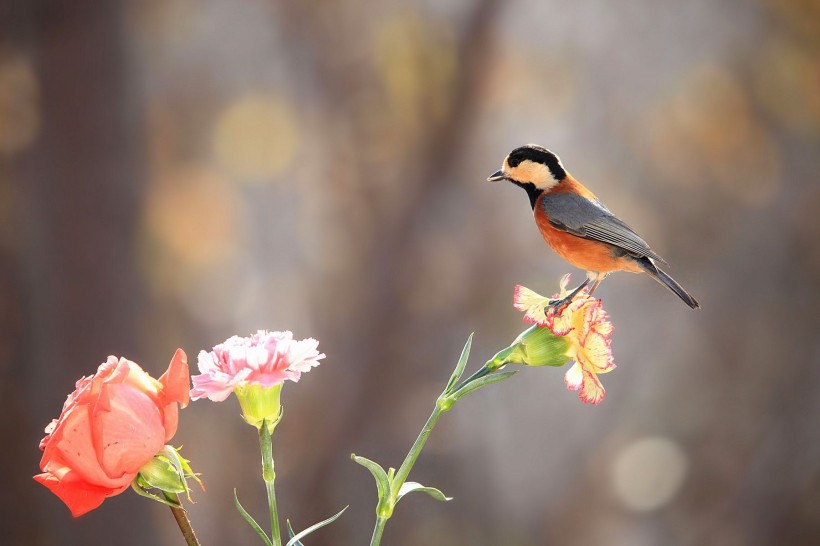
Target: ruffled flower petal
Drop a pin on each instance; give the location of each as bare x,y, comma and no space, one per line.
574,377
264,358
592,391
532,304
585,325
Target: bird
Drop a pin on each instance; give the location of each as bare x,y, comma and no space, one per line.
578,226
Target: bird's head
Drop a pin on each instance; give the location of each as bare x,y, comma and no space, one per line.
531,165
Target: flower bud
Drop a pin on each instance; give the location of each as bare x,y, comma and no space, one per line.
162,473
167,471
535,346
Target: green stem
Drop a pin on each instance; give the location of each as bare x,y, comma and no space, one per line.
269,476
414,452
443,404
182,520
377,531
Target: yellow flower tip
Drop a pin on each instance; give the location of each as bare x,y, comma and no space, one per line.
589,387
590,347
563,284
532,304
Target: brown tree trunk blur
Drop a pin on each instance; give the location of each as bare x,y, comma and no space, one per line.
81,188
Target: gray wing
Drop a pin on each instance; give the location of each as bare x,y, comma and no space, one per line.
592,220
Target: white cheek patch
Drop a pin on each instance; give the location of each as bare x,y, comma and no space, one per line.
536,173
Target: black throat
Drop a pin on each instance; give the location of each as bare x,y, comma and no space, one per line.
532,192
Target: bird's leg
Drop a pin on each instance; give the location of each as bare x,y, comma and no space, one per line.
557,304
598,278
594,286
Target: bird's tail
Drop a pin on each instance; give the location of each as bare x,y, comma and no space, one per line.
661,276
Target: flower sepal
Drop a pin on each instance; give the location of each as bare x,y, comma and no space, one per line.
535,346
168,472
260,405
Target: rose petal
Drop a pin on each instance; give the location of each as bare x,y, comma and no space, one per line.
110,427
72,447
80,496
175,379
132,432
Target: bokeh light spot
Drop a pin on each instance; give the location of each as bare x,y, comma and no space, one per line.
648,473
194,214
19,103
787,82
416,61
707,133
255,137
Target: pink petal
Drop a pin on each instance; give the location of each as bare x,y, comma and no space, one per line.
210,387
264,358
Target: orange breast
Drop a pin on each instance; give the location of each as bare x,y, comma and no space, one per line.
583,253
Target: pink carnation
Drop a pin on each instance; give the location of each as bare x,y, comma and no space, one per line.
265,358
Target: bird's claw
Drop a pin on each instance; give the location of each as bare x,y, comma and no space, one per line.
557,304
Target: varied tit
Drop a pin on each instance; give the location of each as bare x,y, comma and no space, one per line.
578,226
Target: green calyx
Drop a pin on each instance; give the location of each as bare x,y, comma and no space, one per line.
260,405
535,346
167,471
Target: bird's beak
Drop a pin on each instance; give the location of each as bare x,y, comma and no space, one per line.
496,176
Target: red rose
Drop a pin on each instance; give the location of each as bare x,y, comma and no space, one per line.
110,427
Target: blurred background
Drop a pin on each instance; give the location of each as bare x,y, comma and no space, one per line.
175,172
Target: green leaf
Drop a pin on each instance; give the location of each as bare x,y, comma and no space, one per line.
462,362
409,487
251,521
291,534
294,541
382,481
189,473
163,473
144,493
479,383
